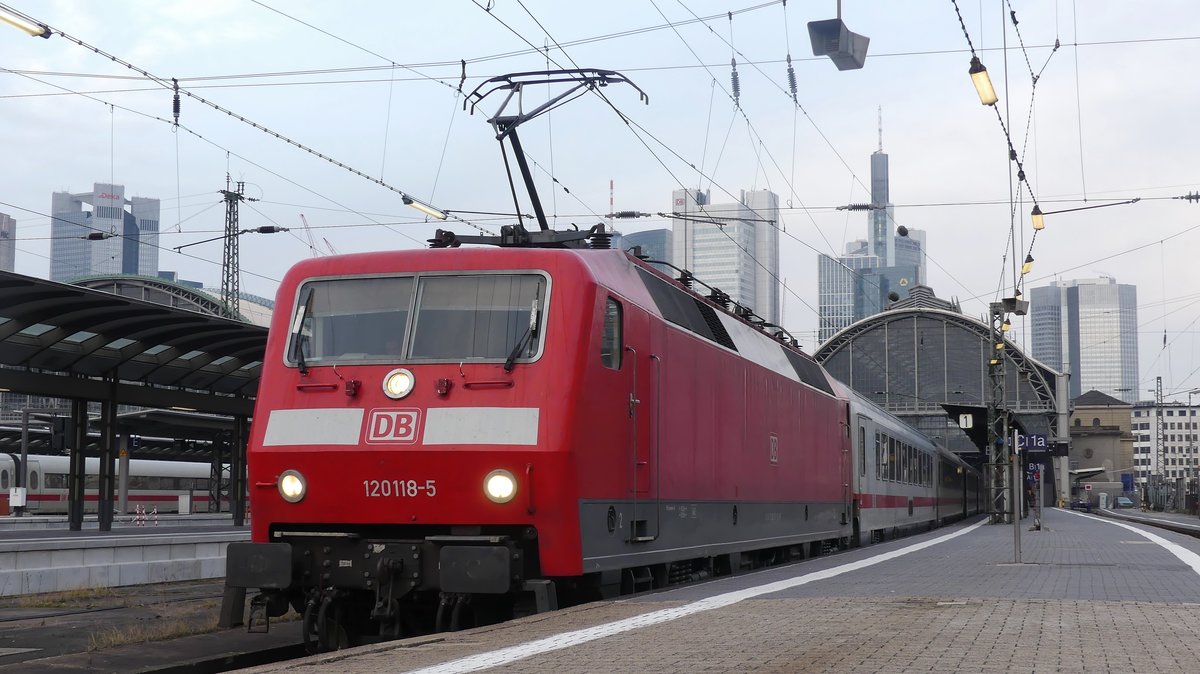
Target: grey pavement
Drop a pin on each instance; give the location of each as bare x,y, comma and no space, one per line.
1089,597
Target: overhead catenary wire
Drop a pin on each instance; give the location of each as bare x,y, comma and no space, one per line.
139,241
163,83
761,145
629,122
227,151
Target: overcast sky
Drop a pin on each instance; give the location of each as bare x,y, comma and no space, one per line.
375,85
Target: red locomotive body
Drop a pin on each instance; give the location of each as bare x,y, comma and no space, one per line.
460,430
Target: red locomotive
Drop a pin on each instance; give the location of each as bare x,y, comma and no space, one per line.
450,436
443,437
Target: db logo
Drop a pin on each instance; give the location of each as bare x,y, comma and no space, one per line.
397,426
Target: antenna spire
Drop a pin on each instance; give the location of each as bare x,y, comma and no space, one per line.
881,128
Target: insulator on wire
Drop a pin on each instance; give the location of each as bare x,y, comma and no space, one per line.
175,103
791,77
737,84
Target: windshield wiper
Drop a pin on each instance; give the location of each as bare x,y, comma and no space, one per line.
530,333
299,339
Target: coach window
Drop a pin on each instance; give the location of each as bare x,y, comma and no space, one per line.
894,459
3,479
610,341
33,479
862,451
879,456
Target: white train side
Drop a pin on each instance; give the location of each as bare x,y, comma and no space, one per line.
152,484
902,480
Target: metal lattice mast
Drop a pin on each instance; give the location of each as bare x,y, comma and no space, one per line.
1160,449
230,270
997,459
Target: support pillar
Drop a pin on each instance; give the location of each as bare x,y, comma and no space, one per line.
77,436
123,476
108,455
237,472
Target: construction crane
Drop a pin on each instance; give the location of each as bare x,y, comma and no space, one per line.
312,245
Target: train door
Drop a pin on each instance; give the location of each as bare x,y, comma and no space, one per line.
645,372
33,485
847,472
861,432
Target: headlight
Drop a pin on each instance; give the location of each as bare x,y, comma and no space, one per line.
292,486
398,383
500,486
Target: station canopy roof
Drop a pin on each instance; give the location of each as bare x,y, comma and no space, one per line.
168,435
68,342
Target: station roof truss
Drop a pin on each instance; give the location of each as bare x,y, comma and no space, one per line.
914,362
156,291
70,342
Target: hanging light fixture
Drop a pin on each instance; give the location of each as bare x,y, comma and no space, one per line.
23,23
1005,326
982,82
1028,266
424,208
1039,221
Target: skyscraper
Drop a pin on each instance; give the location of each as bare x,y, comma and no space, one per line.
734,247
858,285
1089,328
8,242
655,244
131,248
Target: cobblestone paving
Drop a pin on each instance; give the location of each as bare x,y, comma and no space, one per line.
1089,597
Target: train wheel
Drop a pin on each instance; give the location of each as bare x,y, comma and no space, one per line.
324,623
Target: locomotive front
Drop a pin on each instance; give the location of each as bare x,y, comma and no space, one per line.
403,440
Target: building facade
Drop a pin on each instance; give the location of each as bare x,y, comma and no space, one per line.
863,282
1088,328
1102,438
8,243
124,233
655,245
1181,455
734,247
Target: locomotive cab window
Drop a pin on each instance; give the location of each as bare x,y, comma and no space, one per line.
611,339
491,316
422,317
345,320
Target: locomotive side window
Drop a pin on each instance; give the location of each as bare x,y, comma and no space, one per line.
491,316
611,340
351,319
33,479
3,479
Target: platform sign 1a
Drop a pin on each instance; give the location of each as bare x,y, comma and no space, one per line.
1033,442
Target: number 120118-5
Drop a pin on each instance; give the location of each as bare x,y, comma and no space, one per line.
399,488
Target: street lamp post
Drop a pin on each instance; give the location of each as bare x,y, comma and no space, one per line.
1190,427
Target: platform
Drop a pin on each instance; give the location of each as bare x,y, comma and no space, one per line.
53,560
1090,594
